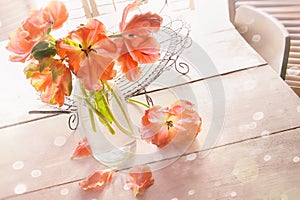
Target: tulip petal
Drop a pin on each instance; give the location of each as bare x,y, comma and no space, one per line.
98,180
93,68
140,179
147,22
54,82
57,12
127,9
83,149
129,67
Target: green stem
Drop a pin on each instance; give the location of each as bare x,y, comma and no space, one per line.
92,120
107,107
92,109
138,102
103,119
121,107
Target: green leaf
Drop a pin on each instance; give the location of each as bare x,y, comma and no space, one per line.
102,105
43,49
45,63
30,70
55,73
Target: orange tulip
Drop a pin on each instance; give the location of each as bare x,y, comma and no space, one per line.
90,54
161,125
34,29
136,45
54,82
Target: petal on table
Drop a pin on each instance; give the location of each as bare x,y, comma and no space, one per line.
98,180
140,179
83,149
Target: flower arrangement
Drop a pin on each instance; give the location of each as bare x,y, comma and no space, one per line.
88,52
94,57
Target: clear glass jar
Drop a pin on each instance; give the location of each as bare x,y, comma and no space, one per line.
104,121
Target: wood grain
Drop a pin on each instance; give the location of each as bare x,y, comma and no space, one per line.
261,168
249,109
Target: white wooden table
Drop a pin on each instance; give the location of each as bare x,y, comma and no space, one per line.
248,148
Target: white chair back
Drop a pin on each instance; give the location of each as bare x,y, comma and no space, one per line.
266,35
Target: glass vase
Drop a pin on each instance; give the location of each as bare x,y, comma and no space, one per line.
104,121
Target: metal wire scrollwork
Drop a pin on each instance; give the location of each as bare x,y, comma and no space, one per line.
182,68
69,107
148,99
73,121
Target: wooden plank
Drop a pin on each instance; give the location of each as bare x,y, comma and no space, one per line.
293,29
287,16
243,54
282,9
294,61
296,89
270,3
262,168
293,78
86,9
38,156
234,107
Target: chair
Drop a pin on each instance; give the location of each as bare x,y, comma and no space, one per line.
266,35
231,8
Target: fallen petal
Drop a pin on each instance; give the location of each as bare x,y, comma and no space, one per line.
83,149
140,179
98,180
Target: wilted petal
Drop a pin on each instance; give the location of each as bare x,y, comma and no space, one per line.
72,53
127,9
138,46
57,13
129,67
97,181
83,149
148,22
21,44
54,82
181,105
97,26
140,179
36,24
92,69
148,51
